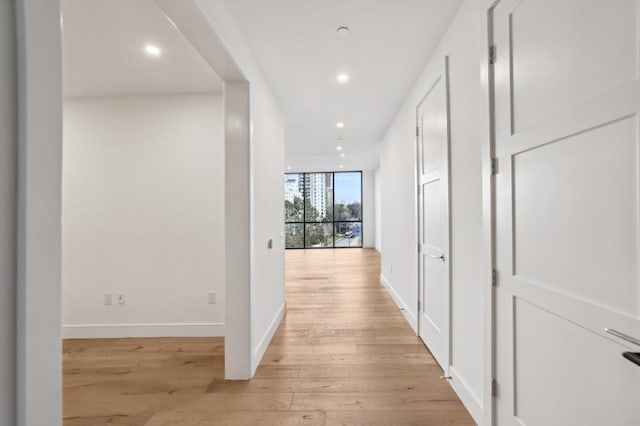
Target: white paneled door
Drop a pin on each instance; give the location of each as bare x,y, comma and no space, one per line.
567,216
433,218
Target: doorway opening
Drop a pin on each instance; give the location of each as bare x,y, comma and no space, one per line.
39,332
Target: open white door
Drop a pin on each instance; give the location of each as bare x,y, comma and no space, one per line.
567,216
433,218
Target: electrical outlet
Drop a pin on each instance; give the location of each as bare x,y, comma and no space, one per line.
108,299
212,297
121,298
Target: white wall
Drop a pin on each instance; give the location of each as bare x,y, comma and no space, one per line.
8,210
39,343
143,213
377,184
368,209
267,199
267,219
462,43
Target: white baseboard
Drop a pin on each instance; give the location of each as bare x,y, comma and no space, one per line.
466,395
259,351
408,314
113,331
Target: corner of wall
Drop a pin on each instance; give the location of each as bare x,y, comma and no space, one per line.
470,400
407,312
259,351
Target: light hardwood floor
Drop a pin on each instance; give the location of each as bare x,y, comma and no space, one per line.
344,355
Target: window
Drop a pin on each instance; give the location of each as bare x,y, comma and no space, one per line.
323,210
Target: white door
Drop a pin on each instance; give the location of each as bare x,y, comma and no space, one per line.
433,218
567,216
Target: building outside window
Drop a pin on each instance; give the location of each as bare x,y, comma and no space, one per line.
323,210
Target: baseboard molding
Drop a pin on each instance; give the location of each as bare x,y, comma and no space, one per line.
408,314
107,331
259,351
466,395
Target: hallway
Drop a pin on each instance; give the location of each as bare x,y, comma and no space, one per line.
343,355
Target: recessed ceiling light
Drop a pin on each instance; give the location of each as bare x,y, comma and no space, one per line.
343,78
339,148
342,155
343,31
152,50
341,166
340,125
289,168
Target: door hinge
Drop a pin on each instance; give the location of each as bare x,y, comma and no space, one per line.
417,130
492,54
494,388
494,278
418,247
494,166
419,306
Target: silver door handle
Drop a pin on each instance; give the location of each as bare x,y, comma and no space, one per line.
622,336
440,258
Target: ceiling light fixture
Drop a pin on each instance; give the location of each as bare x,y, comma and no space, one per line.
343,78
152,50
339,148
341,166
343,31
289,168
342,155
340,125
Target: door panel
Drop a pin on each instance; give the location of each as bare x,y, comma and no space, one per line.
543,397
559,48
434,127
433,173
553,225
567,197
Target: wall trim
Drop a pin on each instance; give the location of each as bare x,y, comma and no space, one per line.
113,331
466,395
259,351
406,311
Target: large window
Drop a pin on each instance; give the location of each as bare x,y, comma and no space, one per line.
323,210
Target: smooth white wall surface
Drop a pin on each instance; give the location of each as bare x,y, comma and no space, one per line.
143,213
267,195
39,343
398,161
368,209
8,210
377,182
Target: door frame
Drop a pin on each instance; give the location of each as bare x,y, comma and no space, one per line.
444,75
488,209
39,287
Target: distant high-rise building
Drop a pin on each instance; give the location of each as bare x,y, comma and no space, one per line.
317,188
291,188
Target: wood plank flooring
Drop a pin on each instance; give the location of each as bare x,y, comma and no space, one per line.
344,355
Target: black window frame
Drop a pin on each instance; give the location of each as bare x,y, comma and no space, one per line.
333,222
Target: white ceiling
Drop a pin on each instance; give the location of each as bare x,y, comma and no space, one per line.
103,51
298,49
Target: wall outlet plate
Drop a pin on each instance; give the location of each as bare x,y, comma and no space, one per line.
212,297
108,298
